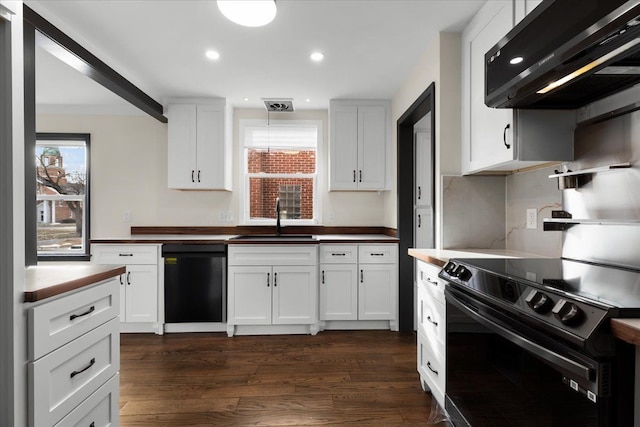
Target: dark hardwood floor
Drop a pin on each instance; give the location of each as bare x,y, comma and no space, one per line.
364,378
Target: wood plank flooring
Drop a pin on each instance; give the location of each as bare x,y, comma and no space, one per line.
363,378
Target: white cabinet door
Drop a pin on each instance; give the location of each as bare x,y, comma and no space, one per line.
211,146
424,169
249,299
294,295
488,132
377,291
344,147
141,293
372,141
424,228
524,7
182,137
338,292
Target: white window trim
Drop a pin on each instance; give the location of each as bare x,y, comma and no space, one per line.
243,182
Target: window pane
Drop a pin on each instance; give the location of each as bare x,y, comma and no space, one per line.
281,161
296,198
61,187
60,227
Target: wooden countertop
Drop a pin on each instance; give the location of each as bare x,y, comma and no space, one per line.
229,239
440,257
626,330
50,279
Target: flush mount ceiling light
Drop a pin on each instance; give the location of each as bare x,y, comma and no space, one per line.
317,56
249,13
212,55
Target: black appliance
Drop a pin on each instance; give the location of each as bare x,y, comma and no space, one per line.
528,343
593,45
194,283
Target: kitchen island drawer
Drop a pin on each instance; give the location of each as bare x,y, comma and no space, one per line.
64,378
431,319
124,254
431,368
56,323
338,254
378,254
428,277
98,410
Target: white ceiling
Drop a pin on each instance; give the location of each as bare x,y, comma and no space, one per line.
370,48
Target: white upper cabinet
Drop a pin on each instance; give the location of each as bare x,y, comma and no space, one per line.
359,144
500,139
199,145
424,169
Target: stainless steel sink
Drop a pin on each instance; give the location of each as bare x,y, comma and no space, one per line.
281,237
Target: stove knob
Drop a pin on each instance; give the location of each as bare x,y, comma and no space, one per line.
539,302
450,268
568,313
462,273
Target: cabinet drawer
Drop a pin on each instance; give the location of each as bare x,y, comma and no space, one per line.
428,276
378,254
62,379
124,254
338,254
431,319
99,410
54,324
272,255
431,368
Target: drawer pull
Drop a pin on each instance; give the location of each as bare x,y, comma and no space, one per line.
431,369
376,254
338,254
430,320
125,254
433,282
91,363
75,316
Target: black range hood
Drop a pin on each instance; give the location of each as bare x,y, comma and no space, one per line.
566,54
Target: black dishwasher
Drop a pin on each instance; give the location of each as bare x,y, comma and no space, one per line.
195,283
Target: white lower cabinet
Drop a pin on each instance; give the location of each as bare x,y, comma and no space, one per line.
272,289
430,311
358,283
74,348
138,286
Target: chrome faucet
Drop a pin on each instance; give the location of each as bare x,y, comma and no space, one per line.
278,226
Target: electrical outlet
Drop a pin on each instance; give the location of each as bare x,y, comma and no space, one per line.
221,216
532,218
229,216
126,216
332,217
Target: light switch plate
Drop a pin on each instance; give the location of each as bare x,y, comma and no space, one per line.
532,218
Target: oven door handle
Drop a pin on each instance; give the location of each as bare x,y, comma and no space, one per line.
528,345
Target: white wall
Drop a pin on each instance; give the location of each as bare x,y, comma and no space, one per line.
440,63
129,172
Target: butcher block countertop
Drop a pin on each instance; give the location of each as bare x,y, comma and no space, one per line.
626,330
231,239
46,280
440,257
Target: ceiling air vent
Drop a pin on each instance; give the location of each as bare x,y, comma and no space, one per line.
279,105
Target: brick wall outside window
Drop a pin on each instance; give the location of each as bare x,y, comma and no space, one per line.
264,191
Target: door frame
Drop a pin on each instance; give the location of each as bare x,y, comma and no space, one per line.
424,104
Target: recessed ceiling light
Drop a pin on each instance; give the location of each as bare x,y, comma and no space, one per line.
516,60
245,99
317,56
212,54
249,13
308,100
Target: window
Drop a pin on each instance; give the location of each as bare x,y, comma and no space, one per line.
62,195
280,161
